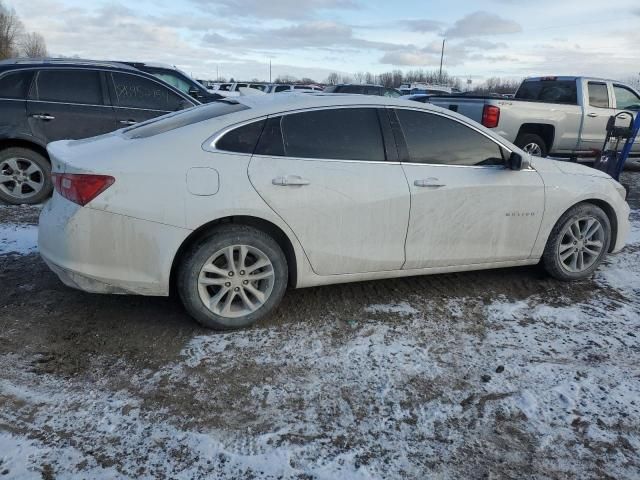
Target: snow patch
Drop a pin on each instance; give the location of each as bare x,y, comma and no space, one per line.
402,308
18,239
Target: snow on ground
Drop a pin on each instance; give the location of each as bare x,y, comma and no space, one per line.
535,387
18,239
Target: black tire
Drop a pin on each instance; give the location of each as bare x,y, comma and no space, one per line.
633,164
550,258
525,139
196,257
41,162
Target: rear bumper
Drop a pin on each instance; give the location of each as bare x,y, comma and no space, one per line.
102,252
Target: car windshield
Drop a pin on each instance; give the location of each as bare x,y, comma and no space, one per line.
174,80
183,118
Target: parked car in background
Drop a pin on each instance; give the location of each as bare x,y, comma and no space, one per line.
46,100
178,79
565,116
424,89
281,88
363,90
235,89
233,201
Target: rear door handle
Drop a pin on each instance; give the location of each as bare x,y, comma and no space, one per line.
290,180
429,182
43,116
127,122
592,115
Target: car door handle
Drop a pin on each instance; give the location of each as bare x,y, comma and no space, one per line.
429,182
290,180
592,115
43,116
127,122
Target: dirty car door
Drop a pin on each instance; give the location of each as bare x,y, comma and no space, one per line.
324,172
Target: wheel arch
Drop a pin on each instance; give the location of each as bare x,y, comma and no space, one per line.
258,223
543,130
23,143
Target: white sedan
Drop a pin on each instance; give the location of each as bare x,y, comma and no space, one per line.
231,202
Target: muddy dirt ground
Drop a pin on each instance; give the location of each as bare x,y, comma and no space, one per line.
494,374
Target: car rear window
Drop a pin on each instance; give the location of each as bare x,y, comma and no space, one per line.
551,91
242,139
183,118
70,86
15,85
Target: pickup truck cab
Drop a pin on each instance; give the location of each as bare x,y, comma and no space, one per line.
564,116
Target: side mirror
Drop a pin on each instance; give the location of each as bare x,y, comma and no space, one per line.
515,161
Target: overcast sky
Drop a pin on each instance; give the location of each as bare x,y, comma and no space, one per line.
508,38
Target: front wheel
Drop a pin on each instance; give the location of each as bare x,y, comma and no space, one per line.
578,243
233,277
25,176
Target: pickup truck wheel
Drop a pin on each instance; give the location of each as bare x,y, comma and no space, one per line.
533,144
578,243
25,176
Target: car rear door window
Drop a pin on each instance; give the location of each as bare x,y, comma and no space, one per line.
15,85
435,139
69,86
340,133
598,94
552,91
626,98
135,91
242,139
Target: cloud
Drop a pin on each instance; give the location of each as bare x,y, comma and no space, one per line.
415,58
278,9
422,25
481,23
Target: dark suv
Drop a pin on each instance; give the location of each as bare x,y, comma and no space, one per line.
378,90
46,100
177,78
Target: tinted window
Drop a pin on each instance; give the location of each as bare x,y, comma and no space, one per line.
598,95
552,91
242,139
15,84
182,119
174,80
357,89
626,98
434,139
373,90
391,92
271,142
282,88
134,91
69,86
342,133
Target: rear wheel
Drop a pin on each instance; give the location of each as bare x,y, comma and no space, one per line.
633,164
578,243
532,144
25,176
233,277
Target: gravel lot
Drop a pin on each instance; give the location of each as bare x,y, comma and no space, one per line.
495,374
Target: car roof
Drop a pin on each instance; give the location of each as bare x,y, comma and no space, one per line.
23,63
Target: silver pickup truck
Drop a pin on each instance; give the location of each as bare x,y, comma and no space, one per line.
563,116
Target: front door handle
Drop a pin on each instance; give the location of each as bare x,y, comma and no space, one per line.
290,180
429,182
43,116
592,115
128,122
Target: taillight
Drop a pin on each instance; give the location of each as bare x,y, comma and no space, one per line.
81,188
490,116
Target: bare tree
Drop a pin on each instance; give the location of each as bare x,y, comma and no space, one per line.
10,30
359,77
34,46
333,79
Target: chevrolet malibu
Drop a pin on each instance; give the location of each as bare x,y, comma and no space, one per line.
230,203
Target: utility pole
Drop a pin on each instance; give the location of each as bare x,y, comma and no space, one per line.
269,70
441,58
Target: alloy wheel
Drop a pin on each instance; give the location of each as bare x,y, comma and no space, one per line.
21,178
236,281
581,244
533,149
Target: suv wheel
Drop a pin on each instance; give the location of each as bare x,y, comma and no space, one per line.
233,277
532,144
25,176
